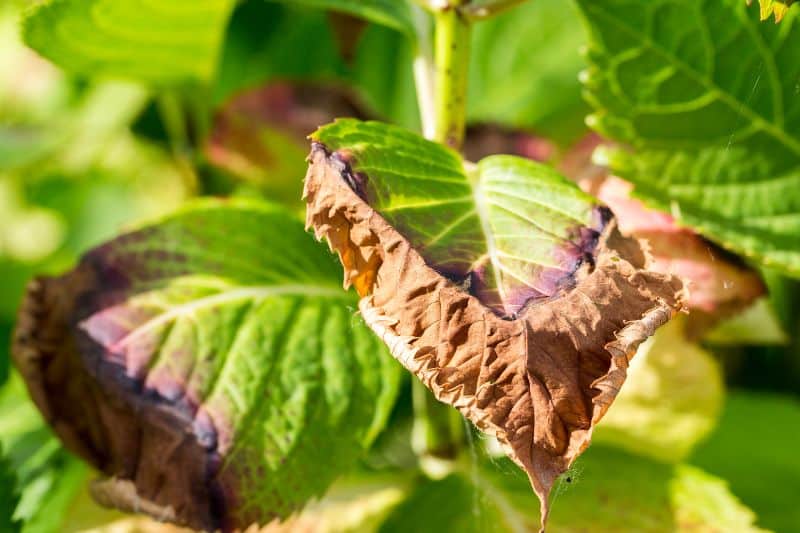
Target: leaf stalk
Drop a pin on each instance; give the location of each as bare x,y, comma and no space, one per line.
438,430
451,55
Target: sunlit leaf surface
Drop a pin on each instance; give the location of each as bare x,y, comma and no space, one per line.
163,42
221,333
513,229
778,8
706,96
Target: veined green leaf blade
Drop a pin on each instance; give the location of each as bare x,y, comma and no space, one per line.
164,43
514,228
708,104
226,322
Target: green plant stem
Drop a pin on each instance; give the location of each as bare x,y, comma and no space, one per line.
424,71
173,116
451,53
438,432
438,428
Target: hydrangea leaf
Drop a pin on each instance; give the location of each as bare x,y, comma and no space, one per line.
754,449
395,14
513,229
427,239
595,495
167,42
706,97
670,401
720,283
218,338
48,478
524,70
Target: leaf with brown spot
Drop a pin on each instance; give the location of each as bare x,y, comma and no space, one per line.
202,364
535,360
720,283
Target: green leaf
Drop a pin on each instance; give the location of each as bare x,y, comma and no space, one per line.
53,492
756,325
167,42
706,96
395,14
261,44
229,323
513,228
670,401
524,70
606,491
8,495
754,448
48,478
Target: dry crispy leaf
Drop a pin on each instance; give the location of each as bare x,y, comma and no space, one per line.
538,382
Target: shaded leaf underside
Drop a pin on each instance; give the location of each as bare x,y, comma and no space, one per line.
392,13
707,97
538,382
205,362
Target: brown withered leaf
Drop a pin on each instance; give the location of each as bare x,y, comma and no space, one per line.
538,381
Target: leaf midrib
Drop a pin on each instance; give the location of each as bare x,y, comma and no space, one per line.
254,293
734,104
473,180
